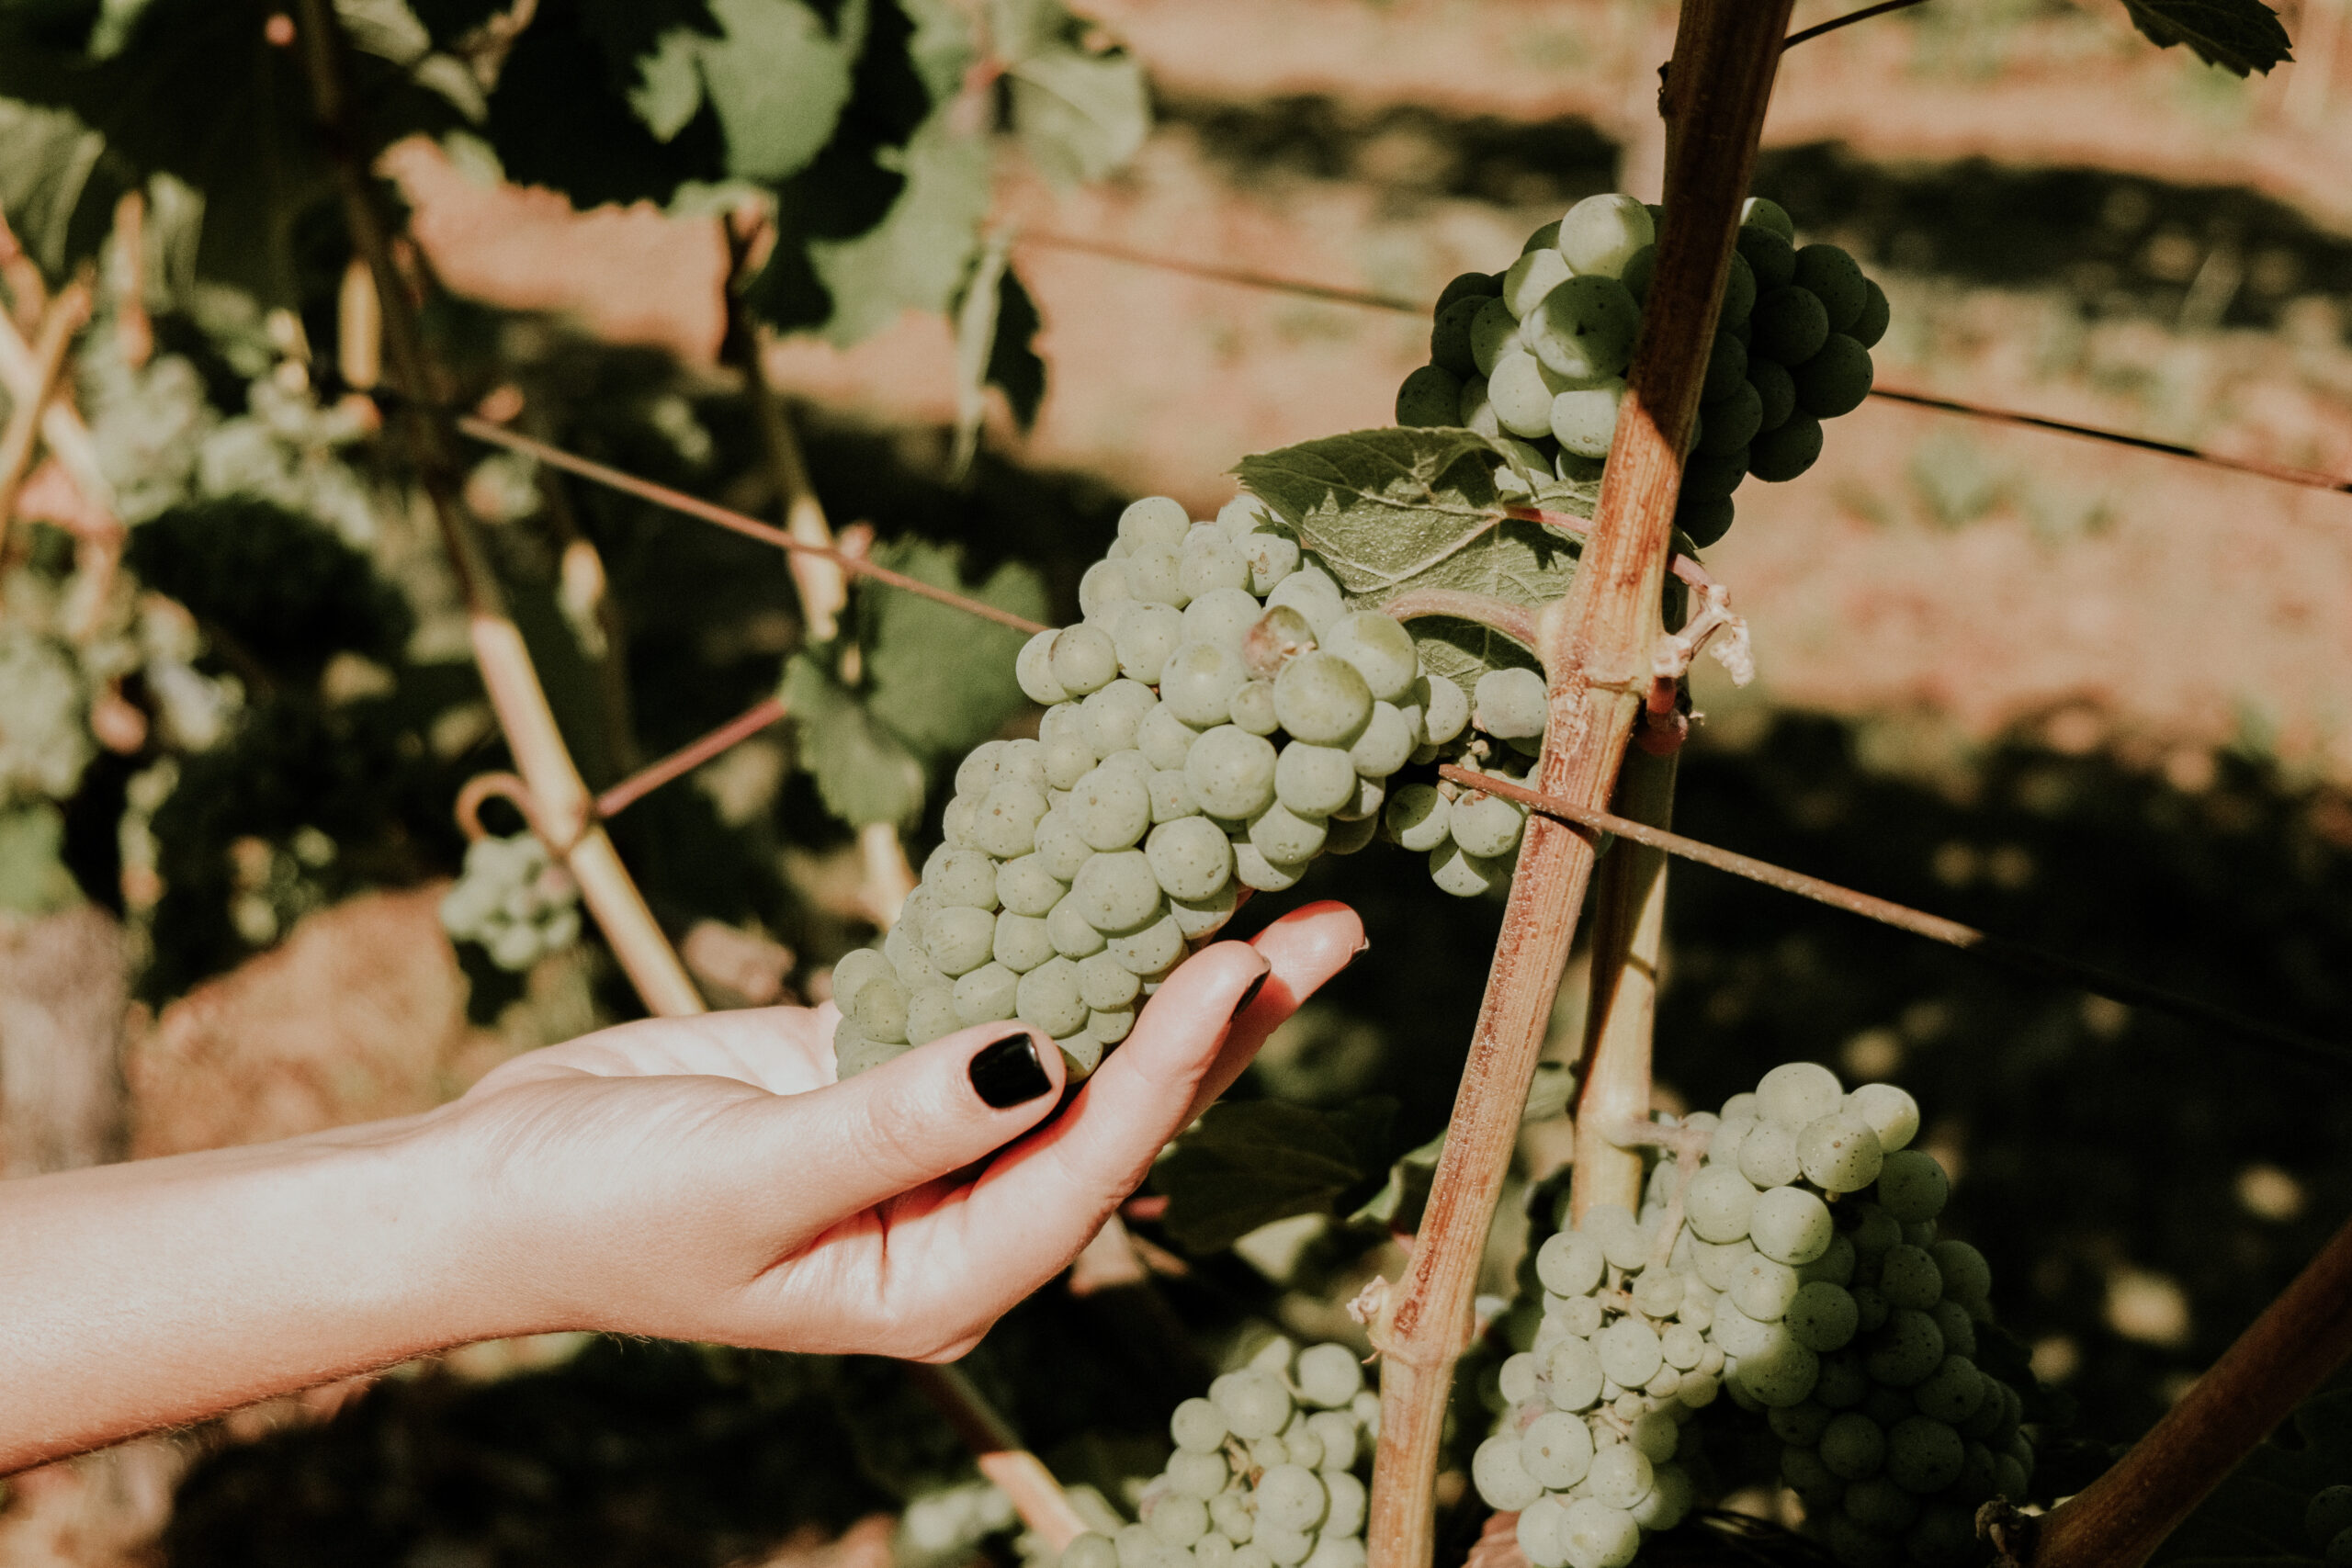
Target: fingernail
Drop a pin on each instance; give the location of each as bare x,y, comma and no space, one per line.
1249,993
1007,1073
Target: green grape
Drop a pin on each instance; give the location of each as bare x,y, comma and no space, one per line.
1600,234
1732,423
1573,1371
1429,396
1380,649
1770,255
1493,331
1083,659
1384,745
1020,942
1907,1277
1417,818
1271,556
1904,1353
1314,780
1911,1186
1835,380
1556,1451
1823,1317
1584,420
1780,455
1488,826
1891,1112
987,994
1253,1403
1839,1152
1762,1289
1231,772
1446,713
1512,703
1835,278
1154,520
1791,1224
1534,274
1629,1351
1967,1277
1585,328
1450,338
1470,286
1621,1476
1115,892
1768,1155
1766,213
1312,593
1320,698
1254,868
1223,615
1872,324
1777,389
1790,325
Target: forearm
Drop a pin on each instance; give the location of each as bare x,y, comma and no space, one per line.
148,1295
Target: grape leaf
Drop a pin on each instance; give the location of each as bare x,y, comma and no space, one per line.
1248,1163
863,772
1392,510
2239,36
939,678
2256,1514
1080,111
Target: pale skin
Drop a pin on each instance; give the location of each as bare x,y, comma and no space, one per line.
692,1179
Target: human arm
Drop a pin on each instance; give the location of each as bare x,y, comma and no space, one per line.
693,1178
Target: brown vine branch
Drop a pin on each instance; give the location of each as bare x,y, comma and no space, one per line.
2298,1339
1596,650
689,757
479,429
1847,20
1628,939
20,440
2037,961
516,696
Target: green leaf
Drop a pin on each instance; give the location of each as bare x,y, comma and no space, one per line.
940,678
2239,36
863,772
2257,1513
1248,1163
33,878
1392,510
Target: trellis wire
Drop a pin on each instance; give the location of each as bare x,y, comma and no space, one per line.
1368,300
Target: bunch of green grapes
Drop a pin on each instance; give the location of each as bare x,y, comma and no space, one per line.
1218,720
1535,356
1850,1322
514,900
1265,1472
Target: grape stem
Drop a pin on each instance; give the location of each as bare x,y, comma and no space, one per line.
1597,648
2123,1516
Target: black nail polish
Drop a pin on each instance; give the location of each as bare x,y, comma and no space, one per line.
1249,993
1007,1073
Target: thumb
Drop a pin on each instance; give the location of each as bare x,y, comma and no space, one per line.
918,1116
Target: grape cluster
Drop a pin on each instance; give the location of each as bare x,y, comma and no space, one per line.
1855,1326
1535,356
514,900
2327,1524
1217,719
1264,1473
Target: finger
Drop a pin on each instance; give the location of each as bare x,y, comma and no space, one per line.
1032,1210
1304,950
915,1118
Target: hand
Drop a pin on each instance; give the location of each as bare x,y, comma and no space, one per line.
706,1179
